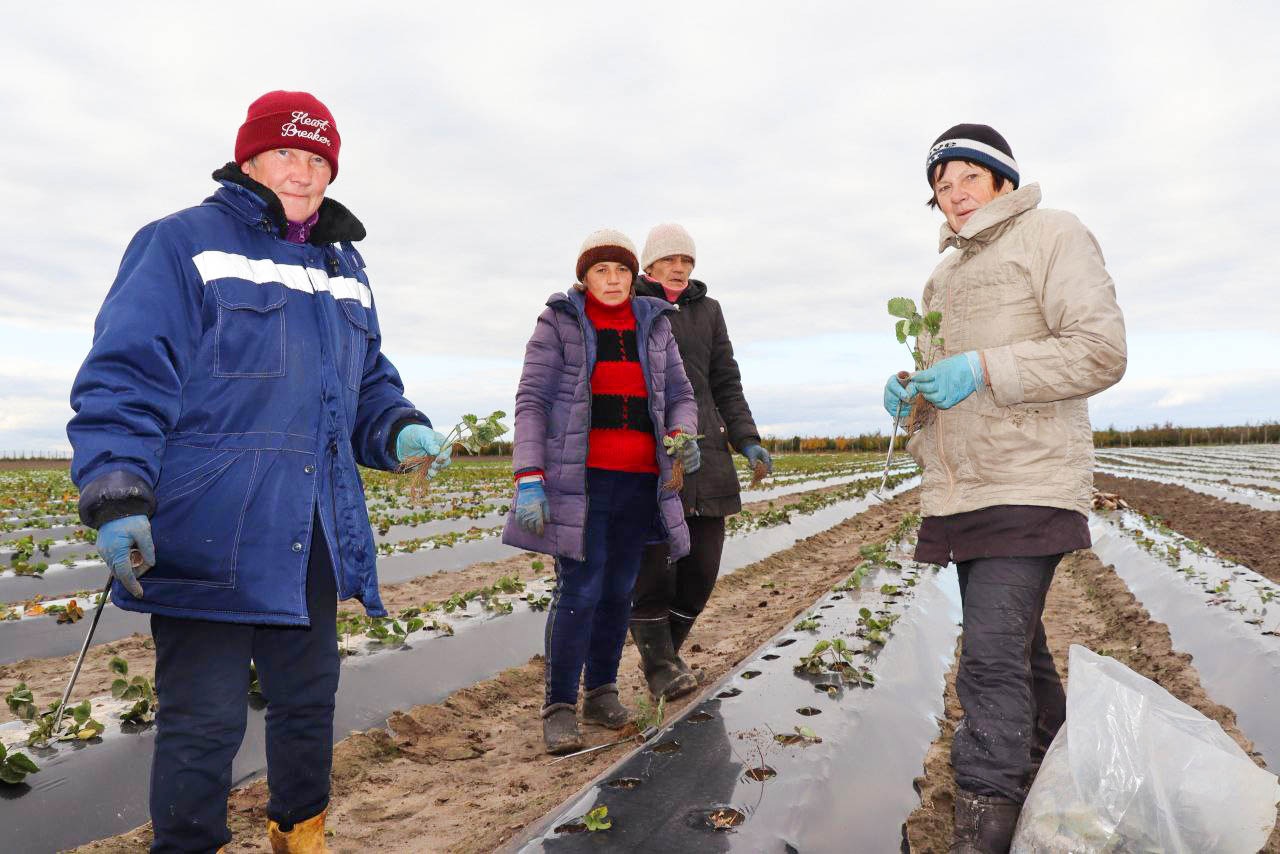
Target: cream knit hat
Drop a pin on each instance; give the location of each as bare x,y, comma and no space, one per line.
606,245
665,240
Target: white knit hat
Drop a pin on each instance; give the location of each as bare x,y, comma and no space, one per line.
664,241
606,244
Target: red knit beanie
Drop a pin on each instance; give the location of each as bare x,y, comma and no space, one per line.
282,119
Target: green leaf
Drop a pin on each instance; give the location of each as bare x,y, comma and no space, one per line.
23,763
933,322
915,326
806,732
902,307
900,329
598,819
119,666
118,688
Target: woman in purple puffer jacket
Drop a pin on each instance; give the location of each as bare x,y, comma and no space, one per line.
602,384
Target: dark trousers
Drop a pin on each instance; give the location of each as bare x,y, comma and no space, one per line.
202,676
587,618
680,590
1009,689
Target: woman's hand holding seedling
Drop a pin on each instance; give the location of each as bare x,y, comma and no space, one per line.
898,396
760,461
951,380
688,459
117,539
417,441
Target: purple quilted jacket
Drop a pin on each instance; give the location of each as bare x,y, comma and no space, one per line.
553,419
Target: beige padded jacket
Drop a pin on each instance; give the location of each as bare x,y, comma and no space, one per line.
1028,289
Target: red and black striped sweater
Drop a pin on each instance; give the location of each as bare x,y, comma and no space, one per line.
622,437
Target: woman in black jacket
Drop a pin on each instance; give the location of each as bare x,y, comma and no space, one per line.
669,595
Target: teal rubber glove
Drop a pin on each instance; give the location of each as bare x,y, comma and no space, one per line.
532,510
419,440
117,539
756,454
951,380
897,397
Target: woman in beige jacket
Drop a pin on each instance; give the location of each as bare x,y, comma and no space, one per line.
1030,329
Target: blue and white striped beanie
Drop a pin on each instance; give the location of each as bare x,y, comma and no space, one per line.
978,143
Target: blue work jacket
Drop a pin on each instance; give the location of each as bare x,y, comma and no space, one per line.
235,381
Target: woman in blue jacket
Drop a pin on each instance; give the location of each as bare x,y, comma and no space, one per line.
235,381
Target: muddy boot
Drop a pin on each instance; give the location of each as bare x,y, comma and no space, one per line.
560,728
658,660
680,627
602,706
984,824
305,837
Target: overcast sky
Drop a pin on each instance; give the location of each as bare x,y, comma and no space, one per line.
482,142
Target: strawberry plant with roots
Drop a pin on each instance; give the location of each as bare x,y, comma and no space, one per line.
674,445
83,726
472,433
910,328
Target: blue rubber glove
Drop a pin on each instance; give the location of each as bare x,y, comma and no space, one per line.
419,440
951,380
897,398
532,510
117,539
756,454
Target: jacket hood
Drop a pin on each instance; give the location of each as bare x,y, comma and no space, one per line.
647,287
991,215
255,204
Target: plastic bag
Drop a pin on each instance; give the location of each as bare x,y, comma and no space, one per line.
1136,770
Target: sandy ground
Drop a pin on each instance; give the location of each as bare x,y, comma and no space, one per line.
468,774
1241,533
47,677
1088,604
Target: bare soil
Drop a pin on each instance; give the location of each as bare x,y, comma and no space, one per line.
30,465
468,774
1088,604
1238,532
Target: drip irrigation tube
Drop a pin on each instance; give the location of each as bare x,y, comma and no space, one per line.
717,780
1238,664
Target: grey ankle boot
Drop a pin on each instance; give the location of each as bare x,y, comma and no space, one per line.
560,728
658,660
602,706
984,824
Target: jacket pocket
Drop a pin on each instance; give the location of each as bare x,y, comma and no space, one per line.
1023,443
249,337
356,342
201,498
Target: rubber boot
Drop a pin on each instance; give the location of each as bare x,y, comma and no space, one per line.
680,628
560,729
658,660
305,837
602,706
984,824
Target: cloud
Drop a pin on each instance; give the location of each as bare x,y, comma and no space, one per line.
480,147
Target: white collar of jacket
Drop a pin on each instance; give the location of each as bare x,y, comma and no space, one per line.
990,215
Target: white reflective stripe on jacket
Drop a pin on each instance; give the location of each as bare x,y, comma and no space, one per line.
1028,289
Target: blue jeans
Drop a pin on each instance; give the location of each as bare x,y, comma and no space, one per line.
587,619
202,676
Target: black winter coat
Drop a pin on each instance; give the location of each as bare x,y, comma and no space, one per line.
723,415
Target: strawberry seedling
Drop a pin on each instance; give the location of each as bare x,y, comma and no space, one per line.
15,766
674,445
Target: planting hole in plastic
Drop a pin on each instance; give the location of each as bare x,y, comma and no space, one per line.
837,596
825,607
764,772
575,826
624,783
750,674
718,818
770,657
828,688
728,693
667,747
700,717
809,711
785,642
